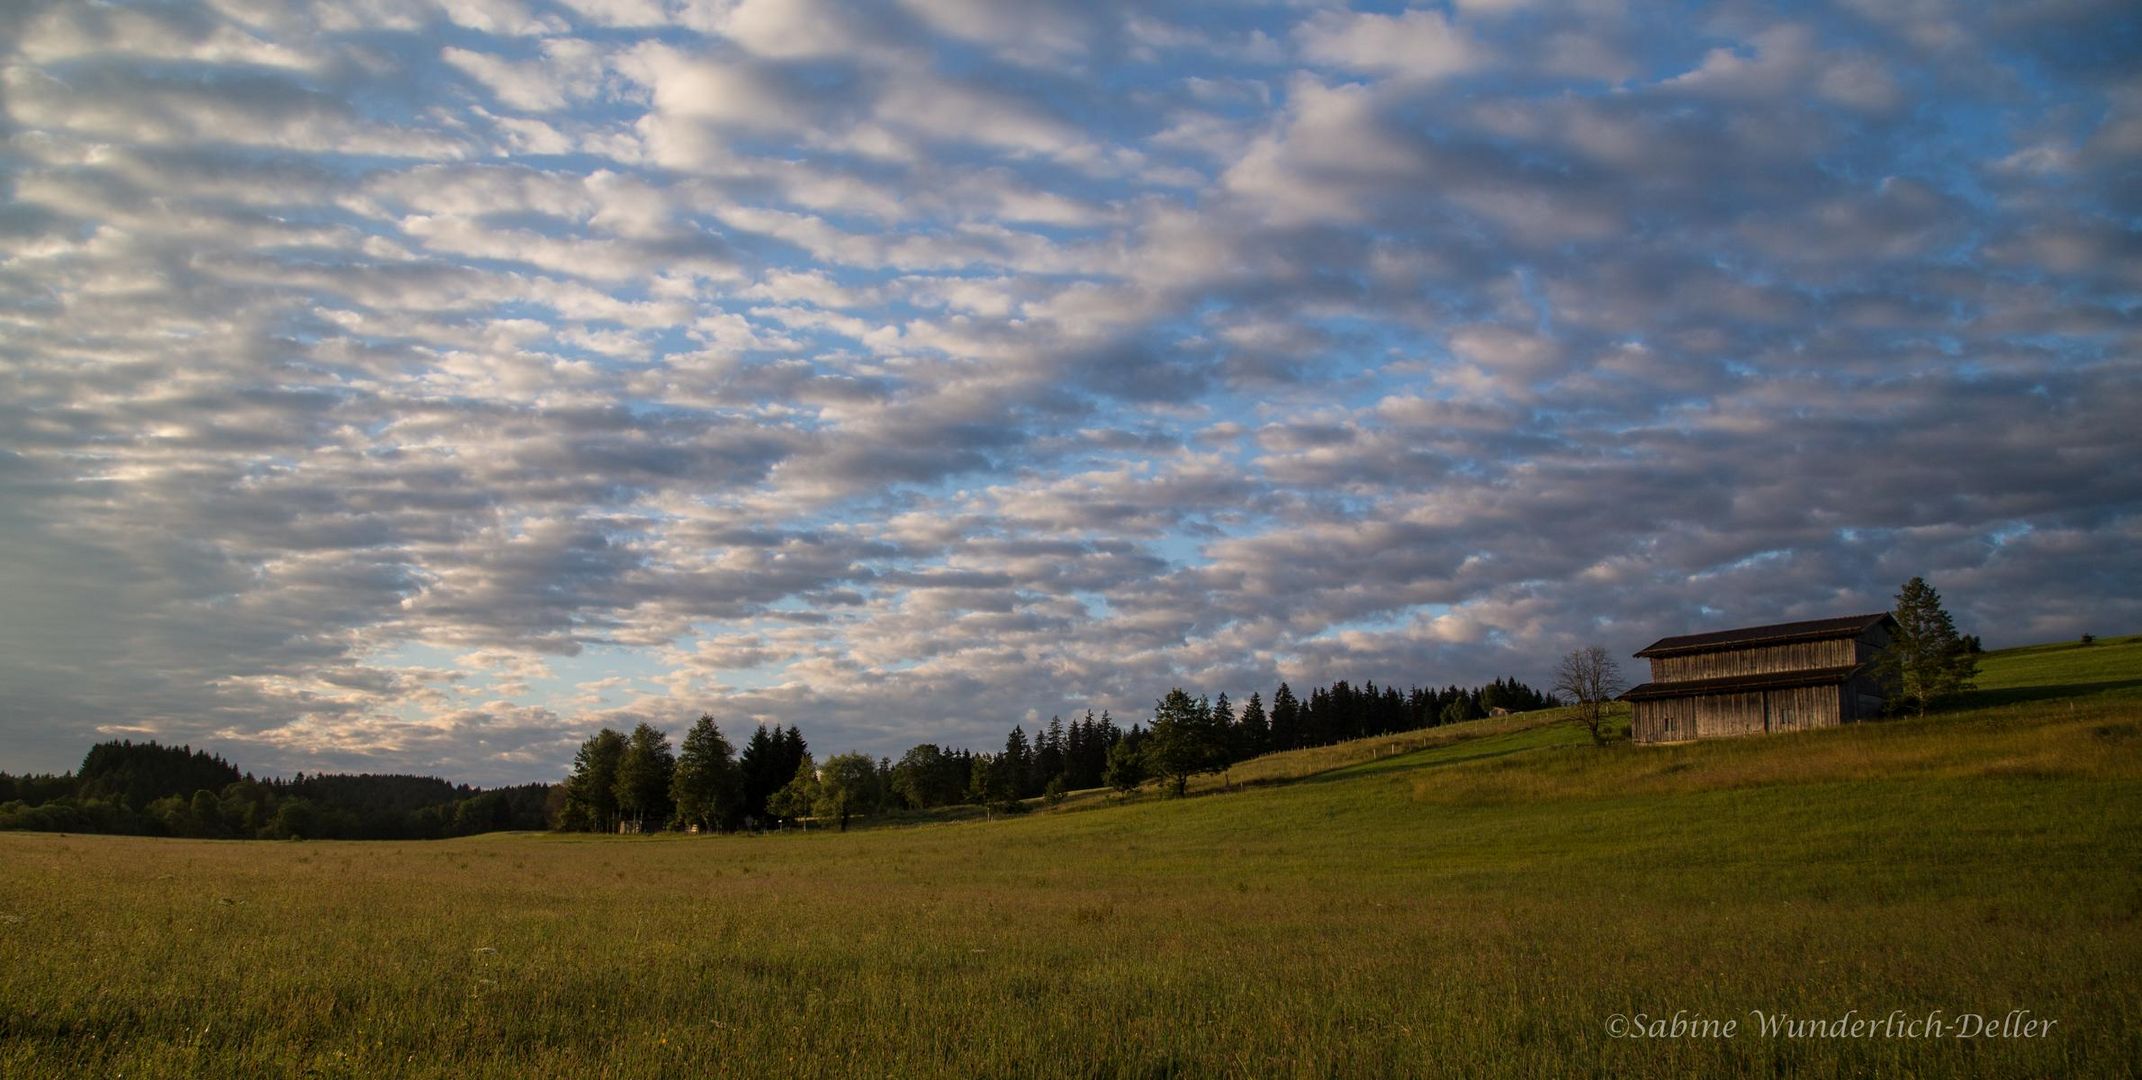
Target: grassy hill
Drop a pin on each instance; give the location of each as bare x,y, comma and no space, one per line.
1483,899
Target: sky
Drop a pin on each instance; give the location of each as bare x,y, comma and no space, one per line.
422,385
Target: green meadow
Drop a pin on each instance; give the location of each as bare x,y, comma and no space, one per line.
1482,899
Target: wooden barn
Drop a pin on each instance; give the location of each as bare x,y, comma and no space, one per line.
1787,677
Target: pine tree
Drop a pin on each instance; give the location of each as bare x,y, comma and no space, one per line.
1316,715
1049,757
1076,742
763,769
1286,719
1926,660
1392,712
1017,763
1256,731
793,750
1224,731
1103,739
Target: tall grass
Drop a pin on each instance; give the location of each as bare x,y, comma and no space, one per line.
1480,902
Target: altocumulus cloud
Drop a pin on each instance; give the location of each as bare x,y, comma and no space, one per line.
418,386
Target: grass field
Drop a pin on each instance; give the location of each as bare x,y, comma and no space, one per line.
1480,901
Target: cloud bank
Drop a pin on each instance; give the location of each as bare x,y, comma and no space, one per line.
419,386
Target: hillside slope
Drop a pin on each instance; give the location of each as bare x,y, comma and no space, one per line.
1484,906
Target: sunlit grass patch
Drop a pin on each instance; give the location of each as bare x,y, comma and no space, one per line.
1479,900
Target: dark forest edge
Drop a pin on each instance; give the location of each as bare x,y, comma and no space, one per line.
147,789
633,782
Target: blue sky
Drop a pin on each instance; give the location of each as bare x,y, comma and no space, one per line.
419,386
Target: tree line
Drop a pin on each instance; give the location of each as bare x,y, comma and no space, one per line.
148,789
635,782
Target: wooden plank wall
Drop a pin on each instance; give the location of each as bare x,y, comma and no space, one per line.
1716,716
1756,712
1763,660
1662,721
1725,715
1804,708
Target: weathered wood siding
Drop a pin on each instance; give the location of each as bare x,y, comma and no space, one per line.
1758,660
1724,715
1757,712
1803,708
1662,721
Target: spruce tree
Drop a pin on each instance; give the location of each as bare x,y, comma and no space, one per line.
1256,732
763,769
1286,719
1225,735
1050,760
1017,763
1076,752
1926,659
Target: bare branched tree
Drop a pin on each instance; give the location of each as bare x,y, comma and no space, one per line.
1590,679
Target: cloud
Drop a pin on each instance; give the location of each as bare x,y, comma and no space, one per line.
568,71
724,94
796,29
1414,44
1026,31
408,387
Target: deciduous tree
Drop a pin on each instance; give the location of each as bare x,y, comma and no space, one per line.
643,777
1591,679
847,785
707,787
927,776
1182,742
1126,767
591,791
799,797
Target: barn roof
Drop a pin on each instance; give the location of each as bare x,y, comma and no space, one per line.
1777,634
1736,684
